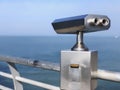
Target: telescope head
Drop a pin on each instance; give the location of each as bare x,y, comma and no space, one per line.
79,25
84,23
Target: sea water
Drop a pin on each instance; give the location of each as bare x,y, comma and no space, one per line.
47,48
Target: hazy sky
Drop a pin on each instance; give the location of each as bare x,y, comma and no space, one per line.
34,17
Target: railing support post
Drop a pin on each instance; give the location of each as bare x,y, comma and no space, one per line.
17,85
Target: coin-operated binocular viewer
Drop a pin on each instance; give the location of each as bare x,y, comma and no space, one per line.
78,63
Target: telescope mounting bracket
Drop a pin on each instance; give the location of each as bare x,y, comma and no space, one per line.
79,46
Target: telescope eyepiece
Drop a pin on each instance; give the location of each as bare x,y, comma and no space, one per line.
93,21
98,21
105,22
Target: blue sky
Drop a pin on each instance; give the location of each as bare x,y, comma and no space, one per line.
34,17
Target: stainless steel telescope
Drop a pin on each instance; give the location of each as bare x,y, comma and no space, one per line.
79,65
83,23
79,25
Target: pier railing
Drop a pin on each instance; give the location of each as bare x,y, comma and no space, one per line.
18,80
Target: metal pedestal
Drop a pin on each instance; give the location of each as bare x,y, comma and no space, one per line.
76,68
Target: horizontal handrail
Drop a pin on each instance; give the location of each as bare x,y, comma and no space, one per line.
99,74
28,62
4,88
106,75
31,62
29,81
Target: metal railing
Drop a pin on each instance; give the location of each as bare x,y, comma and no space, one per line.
18,80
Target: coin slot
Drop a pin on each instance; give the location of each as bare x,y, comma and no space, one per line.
74,65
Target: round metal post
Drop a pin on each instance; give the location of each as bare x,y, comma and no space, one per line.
79,46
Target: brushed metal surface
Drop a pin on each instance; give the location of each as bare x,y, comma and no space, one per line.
78,78
82,23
